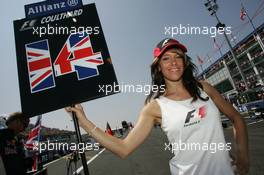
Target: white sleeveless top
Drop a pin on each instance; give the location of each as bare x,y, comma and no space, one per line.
196,136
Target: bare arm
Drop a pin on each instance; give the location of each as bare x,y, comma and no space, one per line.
120,147
240,130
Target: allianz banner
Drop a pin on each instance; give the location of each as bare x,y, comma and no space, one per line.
50,6
62,59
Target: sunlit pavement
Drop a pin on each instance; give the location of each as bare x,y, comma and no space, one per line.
256,142
152,159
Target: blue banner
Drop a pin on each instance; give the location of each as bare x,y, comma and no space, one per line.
51,6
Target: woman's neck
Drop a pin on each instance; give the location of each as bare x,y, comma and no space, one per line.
174,87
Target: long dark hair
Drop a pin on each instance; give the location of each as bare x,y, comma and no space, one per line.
191,84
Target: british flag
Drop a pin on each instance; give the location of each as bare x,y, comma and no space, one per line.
34,134
77,55
242,14
33,141
39,66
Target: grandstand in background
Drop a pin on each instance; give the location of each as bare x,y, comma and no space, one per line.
225,77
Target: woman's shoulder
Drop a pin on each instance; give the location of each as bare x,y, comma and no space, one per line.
152,108
207,88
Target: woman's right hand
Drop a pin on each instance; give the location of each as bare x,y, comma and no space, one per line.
78,109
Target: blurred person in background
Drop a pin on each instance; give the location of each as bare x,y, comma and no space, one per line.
11,146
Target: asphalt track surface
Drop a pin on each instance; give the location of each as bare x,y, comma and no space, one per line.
152,159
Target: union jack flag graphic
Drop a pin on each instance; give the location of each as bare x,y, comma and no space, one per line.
39,66
77,56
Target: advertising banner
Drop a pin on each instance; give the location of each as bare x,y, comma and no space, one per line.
50,6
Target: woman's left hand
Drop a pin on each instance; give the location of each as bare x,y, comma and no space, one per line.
242,164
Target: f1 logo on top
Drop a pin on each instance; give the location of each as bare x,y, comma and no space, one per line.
76,55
